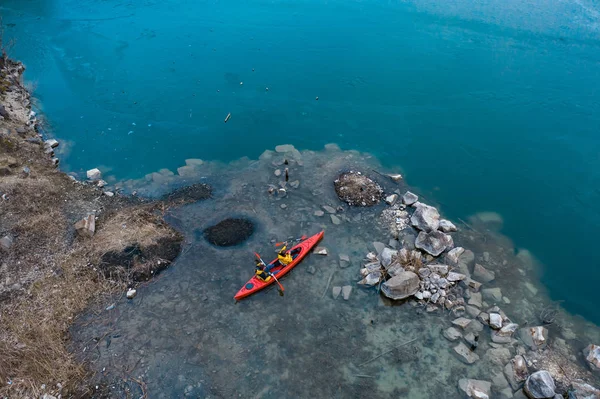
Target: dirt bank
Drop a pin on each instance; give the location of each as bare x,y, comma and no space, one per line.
49,271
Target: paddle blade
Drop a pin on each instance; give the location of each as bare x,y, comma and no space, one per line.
303,238
280,292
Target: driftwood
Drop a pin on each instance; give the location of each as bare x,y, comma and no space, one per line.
328,282
386,352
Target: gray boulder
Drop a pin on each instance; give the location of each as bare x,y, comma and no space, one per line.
581,390
386,256
452,334
453,255
86,226
592,356
6,242
434,243
426,218
534,337
540,385
401,286
480,273
516,372
476,389
504,335
447,226
409,198
465,354
492,294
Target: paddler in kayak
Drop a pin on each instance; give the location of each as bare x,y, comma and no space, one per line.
285,258
262,271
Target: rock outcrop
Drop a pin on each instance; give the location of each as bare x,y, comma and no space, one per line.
401,286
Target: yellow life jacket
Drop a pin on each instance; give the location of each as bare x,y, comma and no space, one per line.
261,275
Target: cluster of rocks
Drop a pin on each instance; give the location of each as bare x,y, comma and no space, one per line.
436,274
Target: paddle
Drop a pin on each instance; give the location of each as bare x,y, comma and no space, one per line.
278,244
280,289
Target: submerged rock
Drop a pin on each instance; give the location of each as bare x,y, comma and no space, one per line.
540,385
592,356
335,291
346,290
229,232
492,294
434,243
480,273
188,194
357,189
409,198
401,286
476,389
452,334
453,255
504,335
465,354
426,218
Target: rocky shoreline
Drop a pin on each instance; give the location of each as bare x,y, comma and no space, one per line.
433,274
64,245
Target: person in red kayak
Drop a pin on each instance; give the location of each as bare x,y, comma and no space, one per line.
262,270
285,258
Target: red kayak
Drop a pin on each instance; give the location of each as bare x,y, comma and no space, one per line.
298,253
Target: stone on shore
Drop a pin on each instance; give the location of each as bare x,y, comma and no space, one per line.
94,174
426,218
321,251
540,385
434,243
401,286
482,274
465,354
504,335
454,277
581,390
516,372
409,198
534,337
453,255
391,199
386,256
336,291
131,293
51,143
441,270
476,389
6,242
452,334
462,322
592,356
86,226
346,290
447,226
495,321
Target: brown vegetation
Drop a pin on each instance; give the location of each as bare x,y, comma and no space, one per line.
49,274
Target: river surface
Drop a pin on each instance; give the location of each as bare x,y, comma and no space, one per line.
487,106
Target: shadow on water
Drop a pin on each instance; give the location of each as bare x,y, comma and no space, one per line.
184,335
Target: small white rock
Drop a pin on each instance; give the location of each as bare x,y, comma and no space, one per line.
94,174
131,293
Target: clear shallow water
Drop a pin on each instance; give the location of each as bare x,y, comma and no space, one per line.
183,335
484,107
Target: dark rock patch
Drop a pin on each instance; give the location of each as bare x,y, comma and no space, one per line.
229,232
356,189
188,194
137,263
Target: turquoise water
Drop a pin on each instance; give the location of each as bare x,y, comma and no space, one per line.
485,107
